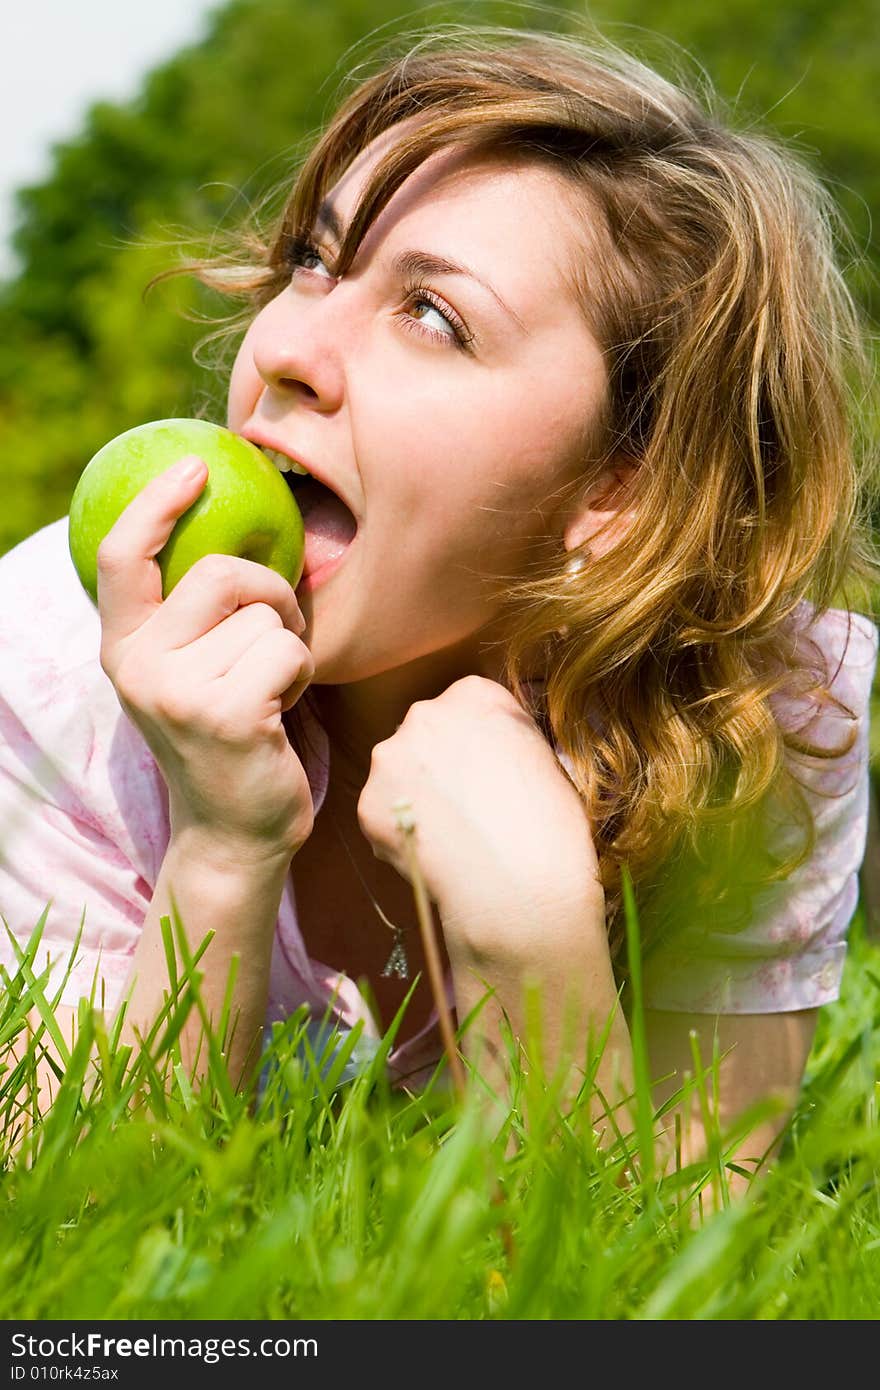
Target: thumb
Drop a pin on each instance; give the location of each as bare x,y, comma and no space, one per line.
129,579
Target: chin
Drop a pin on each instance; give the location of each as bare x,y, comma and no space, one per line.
342,662
346,667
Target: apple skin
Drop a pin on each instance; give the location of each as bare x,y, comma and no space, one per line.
245,509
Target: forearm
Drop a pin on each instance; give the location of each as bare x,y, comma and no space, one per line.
758,1073
236,899
577,998
570,984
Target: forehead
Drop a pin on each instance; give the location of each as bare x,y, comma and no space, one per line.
516,221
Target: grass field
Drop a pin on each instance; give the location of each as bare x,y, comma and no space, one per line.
336,1199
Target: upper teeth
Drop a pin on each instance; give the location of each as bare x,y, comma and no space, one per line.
285,464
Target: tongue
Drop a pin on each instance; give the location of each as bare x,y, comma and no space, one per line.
330,526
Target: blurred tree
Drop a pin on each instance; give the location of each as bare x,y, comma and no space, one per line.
83,355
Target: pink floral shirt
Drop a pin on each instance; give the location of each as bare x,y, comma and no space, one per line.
84,826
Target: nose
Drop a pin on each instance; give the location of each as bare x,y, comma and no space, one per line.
295,348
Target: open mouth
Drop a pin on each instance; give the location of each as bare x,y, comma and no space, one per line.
330,525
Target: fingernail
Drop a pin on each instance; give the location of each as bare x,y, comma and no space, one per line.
186,470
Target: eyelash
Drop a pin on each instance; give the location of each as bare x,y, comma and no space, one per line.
299,247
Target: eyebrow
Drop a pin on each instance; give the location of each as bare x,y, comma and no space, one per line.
408,263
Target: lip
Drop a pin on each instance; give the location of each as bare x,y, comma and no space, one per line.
264,442
310,582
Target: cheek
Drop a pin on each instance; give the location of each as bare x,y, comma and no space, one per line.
475,508
499,489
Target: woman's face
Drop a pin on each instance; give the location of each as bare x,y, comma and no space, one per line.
448,457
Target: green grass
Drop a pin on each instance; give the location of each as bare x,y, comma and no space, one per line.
344,1200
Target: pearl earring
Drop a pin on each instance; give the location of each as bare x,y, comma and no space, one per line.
574,565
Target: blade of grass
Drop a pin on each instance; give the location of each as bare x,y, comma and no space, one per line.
641,1071
406,824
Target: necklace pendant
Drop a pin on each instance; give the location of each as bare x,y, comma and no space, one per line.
397,963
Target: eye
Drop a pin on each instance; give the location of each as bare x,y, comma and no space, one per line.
298,252
420,295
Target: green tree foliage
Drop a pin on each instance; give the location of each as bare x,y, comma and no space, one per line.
83,354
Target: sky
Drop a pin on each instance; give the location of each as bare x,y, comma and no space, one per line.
57,57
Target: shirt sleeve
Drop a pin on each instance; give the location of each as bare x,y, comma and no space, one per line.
791,953
83,809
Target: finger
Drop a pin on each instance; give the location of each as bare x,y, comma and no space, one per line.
215,653
213,589
277,666
129,579
294,691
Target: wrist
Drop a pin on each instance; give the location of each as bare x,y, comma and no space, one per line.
515,930
225,855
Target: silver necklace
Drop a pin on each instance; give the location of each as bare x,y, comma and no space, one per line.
397,963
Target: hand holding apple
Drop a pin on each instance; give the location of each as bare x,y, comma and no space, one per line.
206,675
246,509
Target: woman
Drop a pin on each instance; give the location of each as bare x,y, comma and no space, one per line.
566,359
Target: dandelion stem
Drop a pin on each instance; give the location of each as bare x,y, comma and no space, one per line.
406,824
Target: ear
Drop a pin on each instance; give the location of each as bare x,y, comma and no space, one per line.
607,504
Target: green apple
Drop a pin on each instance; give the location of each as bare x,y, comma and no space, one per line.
246,507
